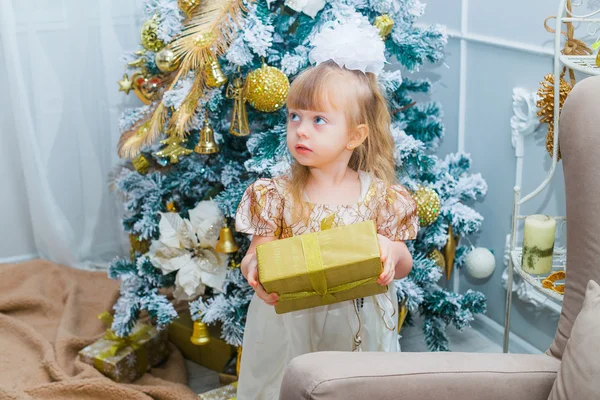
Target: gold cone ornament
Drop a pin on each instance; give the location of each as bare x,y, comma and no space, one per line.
239,117
428,205
266,88
402,313
239,361
450,251
206,144
200,335
226,243
214,75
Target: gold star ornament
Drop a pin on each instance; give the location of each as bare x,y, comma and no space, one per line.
125,84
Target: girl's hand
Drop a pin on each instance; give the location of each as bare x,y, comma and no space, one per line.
389,258
249,269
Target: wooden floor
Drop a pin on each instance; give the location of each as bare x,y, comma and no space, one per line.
201,379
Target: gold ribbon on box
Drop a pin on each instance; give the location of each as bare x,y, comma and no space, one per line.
316,274
121,343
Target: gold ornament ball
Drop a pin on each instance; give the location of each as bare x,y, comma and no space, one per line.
188,6
267,89
166,60
428,205
149,36
438,257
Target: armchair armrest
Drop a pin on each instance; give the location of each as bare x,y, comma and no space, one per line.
422,376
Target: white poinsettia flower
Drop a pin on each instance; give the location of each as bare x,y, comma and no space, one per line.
188,247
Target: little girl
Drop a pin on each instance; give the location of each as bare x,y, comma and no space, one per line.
338,133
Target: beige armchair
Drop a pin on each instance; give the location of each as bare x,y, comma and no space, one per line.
473,376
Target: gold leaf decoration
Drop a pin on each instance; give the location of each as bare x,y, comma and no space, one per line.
546,106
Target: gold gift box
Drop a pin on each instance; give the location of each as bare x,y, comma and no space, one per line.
322,268
214,355
126,359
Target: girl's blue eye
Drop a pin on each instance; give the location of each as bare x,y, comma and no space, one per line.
319,121
294,117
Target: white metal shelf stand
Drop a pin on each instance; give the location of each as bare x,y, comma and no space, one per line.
585,65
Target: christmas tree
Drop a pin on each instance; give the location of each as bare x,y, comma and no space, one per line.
213,76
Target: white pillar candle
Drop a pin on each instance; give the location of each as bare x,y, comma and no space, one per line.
538,244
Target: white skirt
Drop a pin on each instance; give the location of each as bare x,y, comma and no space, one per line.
272,340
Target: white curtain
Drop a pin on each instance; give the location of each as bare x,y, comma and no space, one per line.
63,60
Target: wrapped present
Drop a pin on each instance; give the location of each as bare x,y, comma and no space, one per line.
227,392
321,268
126,359
214,355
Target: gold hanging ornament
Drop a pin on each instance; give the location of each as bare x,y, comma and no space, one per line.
200,335
226,243
402,313
172,149
166,60
239,117
171,206
546,106
138,246
206,143
146,88
438,257
450,251
428,205
206,34
266,88
126,84
385,25
149,37
141,164
188,6
214,75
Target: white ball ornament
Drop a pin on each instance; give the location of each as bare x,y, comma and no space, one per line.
480,263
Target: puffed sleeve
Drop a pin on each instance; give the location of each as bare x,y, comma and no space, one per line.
397,218
261,210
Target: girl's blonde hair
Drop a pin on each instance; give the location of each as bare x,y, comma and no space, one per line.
327,85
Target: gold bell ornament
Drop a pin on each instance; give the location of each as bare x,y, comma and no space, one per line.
214,75
226,243
206,144
239,117
200,335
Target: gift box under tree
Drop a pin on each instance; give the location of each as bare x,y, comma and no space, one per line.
125,359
